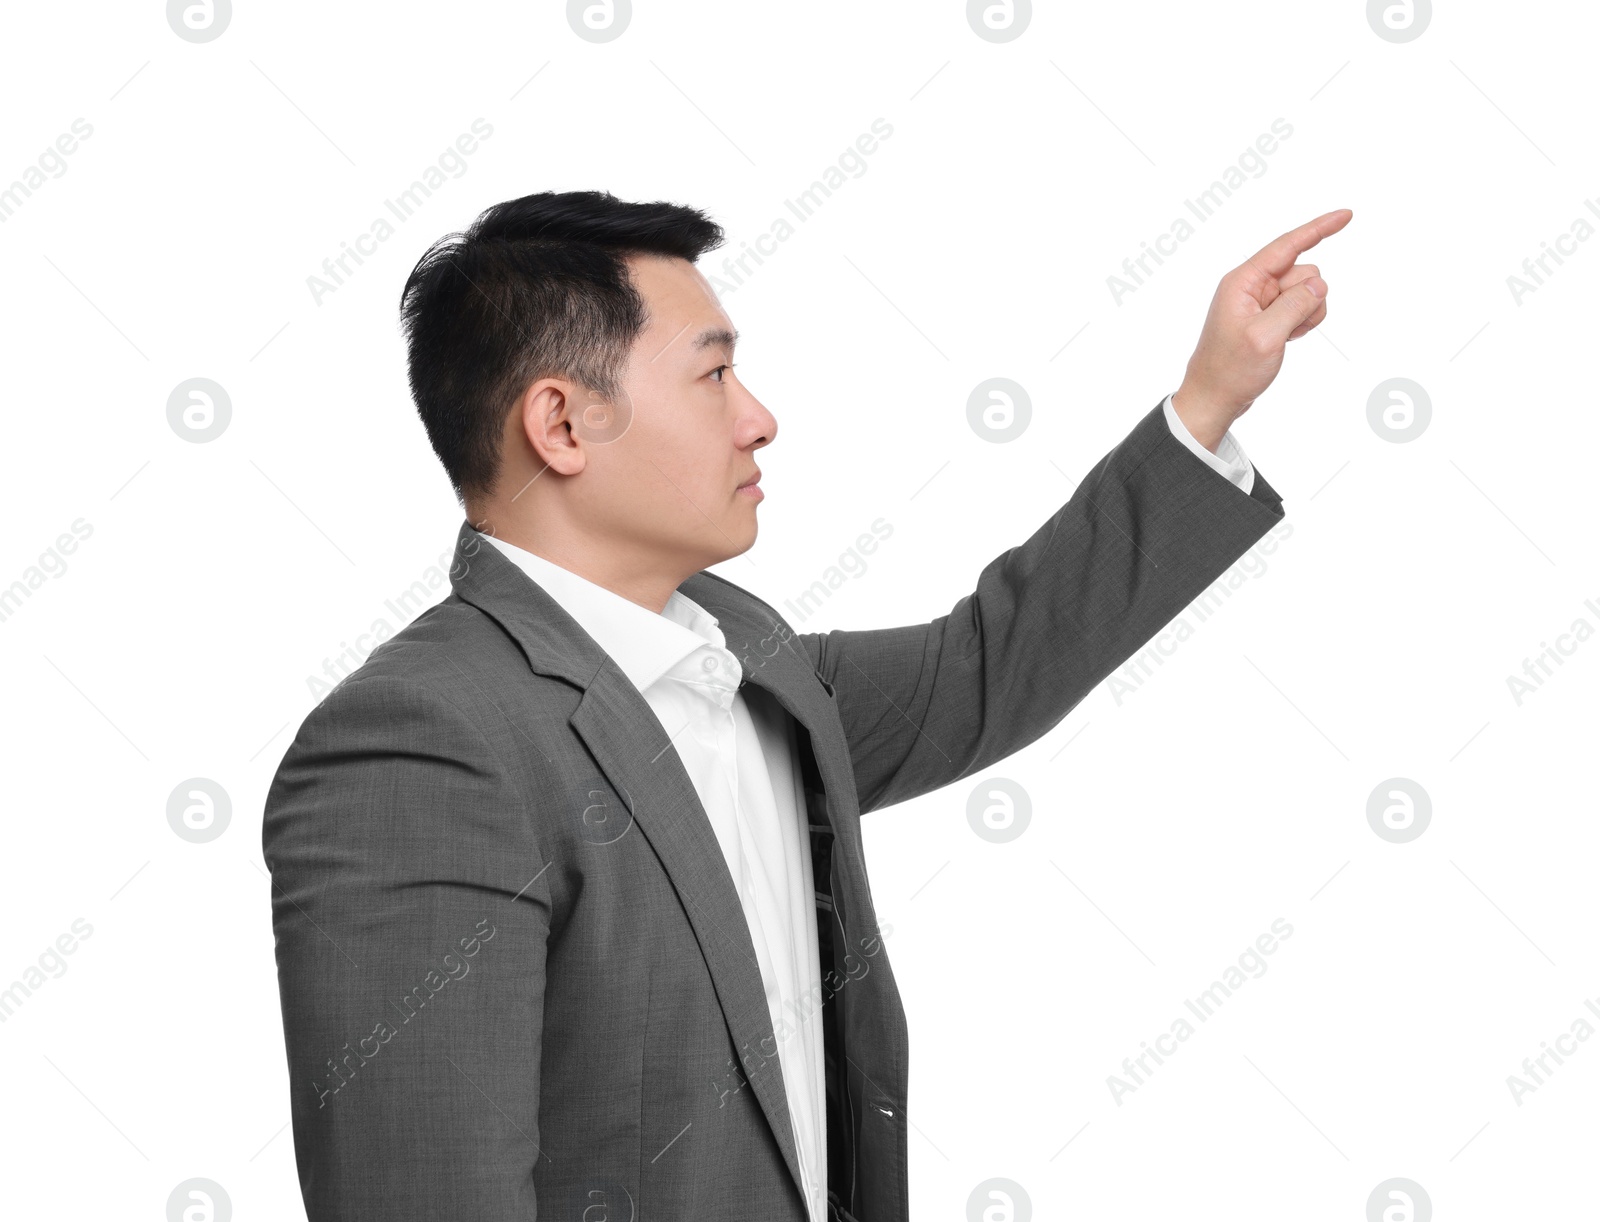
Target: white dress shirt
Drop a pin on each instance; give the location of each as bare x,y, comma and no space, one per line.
741,756
1228,461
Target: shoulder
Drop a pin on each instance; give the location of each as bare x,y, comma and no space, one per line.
452,649
443,683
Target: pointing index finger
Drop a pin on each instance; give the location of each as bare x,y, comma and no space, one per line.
1278,255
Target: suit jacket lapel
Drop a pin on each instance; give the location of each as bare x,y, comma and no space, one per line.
772,658
625,737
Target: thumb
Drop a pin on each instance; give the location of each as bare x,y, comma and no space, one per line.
1290,308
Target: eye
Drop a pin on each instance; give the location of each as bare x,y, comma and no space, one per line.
719,369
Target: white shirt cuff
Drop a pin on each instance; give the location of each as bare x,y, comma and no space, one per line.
1229,461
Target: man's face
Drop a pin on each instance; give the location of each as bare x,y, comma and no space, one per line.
665,469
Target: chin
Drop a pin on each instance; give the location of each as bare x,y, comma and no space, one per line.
744,538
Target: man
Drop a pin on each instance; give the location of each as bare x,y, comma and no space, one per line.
568,884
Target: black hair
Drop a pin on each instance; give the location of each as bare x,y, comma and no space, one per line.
536,287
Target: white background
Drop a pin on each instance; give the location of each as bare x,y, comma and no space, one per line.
1169,827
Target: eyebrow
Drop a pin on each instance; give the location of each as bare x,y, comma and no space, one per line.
716,337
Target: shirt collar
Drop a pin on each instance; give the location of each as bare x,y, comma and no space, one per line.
643,644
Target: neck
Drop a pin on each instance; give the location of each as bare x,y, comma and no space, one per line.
628,569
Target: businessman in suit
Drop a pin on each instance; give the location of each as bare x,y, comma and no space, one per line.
569,896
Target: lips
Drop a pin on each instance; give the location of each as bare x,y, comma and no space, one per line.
756,478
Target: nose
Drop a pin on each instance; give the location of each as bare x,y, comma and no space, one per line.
762,426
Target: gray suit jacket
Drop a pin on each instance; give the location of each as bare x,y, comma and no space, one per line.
513,965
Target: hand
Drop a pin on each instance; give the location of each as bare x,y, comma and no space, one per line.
1258,308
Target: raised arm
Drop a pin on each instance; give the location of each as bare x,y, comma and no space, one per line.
411,954
1146,531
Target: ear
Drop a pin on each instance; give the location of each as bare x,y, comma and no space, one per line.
542,428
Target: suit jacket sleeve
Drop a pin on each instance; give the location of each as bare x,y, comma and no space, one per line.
1148,529
411,957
